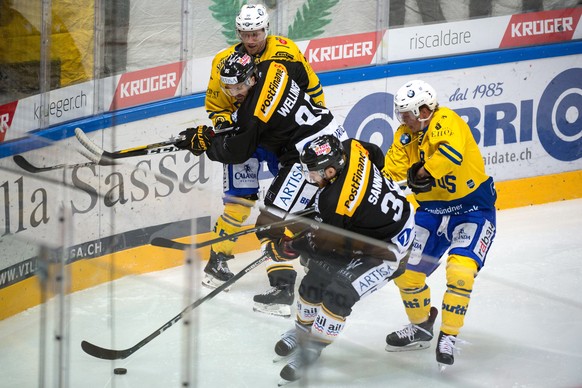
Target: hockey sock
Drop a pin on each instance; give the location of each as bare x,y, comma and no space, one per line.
228,223
415,295
306,312
327,326
461,272
281,274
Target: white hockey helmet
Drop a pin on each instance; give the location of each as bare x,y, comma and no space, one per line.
413,95
252,17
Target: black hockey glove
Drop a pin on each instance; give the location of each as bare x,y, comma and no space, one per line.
416,184
304,243
279,250
197,140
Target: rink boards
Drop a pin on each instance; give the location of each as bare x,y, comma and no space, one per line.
525,114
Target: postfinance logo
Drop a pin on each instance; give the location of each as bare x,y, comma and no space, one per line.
272,92
354,188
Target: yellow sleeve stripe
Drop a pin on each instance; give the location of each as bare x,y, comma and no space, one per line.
452,154
356,181
275,82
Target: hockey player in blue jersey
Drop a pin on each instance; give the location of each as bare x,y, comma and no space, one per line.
435,151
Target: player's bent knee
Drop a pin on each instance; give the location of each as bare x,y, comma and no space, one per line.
236,212
312,287
339,298
461,272
410,281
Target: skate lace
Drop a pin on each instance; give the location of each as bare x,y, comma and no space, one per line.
447,344
222,267
408,331
289,338
270,291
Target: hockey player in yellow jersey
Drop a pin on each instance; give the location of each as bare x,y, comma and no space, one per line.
434,150
241,183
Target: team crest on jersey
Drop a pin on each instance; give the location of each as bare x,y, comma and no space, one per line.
404,237
405,139
283,55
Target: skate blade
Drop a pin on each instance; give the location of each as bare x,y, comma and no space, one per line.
211,283
416,346
284,382
279,310
442,367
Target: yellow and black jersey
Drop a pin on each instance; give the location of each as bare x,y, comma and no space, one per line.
452,157
278,115
361,199
220,106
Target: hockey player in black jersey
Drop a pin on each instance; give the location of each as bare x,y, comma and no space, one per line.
353,196
278,114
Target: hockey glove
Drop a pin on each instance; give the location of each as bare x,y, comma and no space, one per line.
223,126
279,250
304,243
197,140
417,184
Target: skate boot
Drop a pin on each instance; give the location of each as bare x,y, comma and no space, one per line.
287,345
412,337
216,270
275,301
304,357
445,349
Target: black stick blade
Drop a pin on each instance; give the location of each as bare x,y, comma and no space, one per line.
167,243
25,164
104,354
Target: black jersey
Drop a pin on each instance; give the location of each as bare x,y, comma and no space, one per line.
361,199
277,114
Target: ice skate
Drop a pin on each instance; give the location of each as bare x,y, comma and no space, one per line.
286,346
299,362
275,301
445,349
412,337
216,272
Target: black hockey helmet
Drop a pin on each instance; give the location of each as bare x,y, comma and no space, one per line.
323,152
237,68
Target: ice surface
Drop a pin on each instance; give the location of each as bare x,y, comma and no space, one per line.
524,325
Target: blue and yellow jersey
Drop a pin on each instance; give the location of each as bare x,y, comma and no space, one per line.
219,106
452,157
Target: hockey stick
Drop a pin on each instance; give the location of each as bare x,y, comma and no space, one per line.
167,243
29,167
111,354
104,158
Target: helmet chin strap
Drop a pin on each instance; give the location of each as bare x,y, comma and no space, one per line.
424,122
428,118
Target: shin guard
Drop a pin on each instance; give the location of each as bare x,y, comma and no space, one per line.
461,272
415,295
228,223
